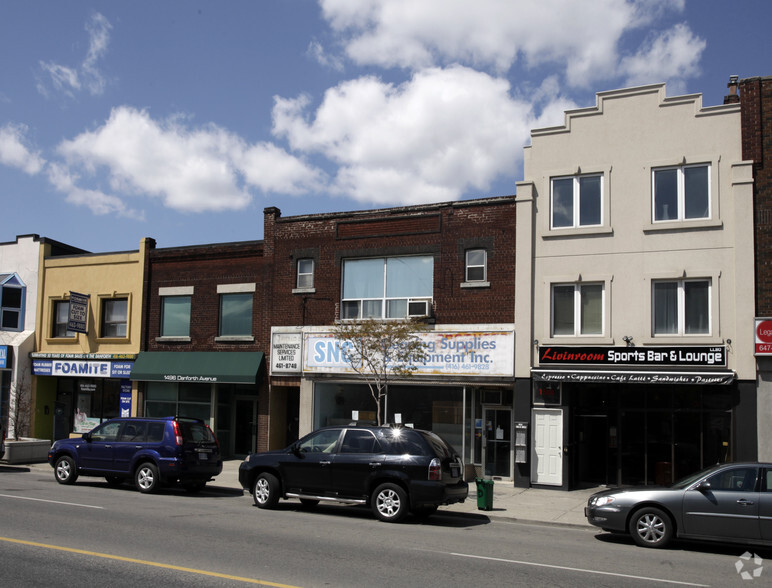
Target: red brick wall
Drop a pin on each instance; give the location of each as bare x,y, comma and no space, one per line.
444,231
756,107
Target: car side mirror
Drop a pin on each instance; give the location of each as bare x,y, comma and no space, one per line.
295,449
703,486
87,437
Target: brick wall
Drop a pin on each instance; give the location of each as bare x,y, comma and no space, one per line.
756,106
444,231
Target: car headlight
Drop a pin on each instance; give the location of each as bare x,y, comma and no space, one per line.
603,500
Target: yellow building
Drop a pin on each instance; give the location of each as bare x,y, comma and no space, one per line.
88,334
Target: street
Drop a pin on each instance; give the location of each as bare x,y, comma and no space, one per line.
91,534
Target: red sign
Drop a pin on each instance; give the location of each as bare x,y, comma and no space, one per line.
764,332
763,336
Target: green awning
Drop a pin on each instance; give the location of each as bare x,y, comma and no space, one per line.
216,367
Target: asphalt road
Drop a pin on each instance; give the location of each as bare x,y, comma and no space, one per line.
91,534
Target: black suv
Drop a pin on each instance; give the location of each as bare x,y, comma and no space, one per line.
149,451
394,470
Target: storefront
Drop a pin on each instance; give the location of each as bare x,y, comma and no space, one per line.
79,391
463,391
219,387
629,416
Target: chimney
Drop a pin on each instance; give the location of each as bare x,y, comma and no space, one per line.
733,97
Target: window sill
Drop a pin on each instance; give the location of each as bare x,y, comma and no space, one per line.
682,340
235,339
683,225
172,339
479,284
577,232
60,340
113,339
304,290
578,340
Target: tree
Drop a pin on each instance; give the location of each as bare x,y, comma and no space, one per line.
19,406
379,351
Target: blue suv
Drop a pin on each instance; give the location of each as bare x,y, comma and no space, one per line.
148,451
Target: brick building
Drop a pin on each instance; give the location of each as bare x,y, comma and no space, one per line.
204,333
755,99
451,264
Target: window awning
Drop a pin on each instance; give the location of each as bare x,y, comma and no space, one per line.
216,367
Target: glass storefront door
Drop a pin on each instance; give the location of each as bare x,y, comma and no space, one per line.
497,442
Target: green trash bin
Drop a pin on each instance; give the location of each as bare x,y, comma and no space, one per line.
484,494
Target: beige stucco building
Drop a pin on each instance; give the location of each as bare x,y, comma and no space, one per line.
81,378
635,257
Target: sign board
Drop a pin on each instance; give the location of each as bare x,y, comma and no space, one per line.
80,368
449,353
77,320
3,357
763,336
691,355
620,377
286,354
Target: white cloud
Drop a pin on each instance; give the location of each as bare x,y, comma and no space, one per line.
670,56
71,80
430,139
583,39
189,169
15,153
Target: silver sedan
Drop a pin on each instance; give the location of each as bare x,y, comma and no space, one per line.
729,502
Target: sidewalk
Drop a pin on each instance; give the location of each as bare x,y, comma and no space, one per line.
522,504
534,505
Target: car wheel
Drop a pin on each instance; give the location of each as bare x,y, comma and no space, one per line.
146,478
266,491
65,470
389,502
309,502
114,481
651,527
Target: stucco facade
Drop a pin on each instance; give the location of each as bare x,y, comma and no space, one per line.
629,248
84,374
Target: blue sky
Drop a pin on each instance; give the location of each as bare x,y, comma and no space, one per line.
182,120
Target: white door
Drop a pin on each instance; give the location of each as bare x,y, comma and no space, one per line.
547,447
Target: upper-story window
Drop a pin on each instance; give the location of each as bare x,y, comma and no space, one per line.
476,265
577,201
61,317
115,314
681,307
391,287
305,274
236,313
12,295
175,316
577,309
681,192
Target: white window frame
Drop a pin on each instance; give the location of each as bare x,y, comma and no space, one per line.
13,282
305,279
383,299
576,201
681,307
681,193
577,286
104,301
469,266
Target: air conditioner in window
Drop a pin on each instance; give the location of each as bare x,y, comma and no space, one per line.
419,308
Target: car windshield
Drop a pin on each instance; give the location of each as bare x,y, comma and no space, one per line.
689,480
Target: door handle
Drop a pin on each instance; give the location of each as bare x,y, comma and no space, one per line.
374,464
745,502
324,463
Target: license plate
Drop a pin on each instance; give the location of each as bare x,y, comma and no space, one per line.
455,471
203,456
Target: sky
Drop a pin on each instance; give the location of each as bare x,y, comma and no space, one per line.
183,120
